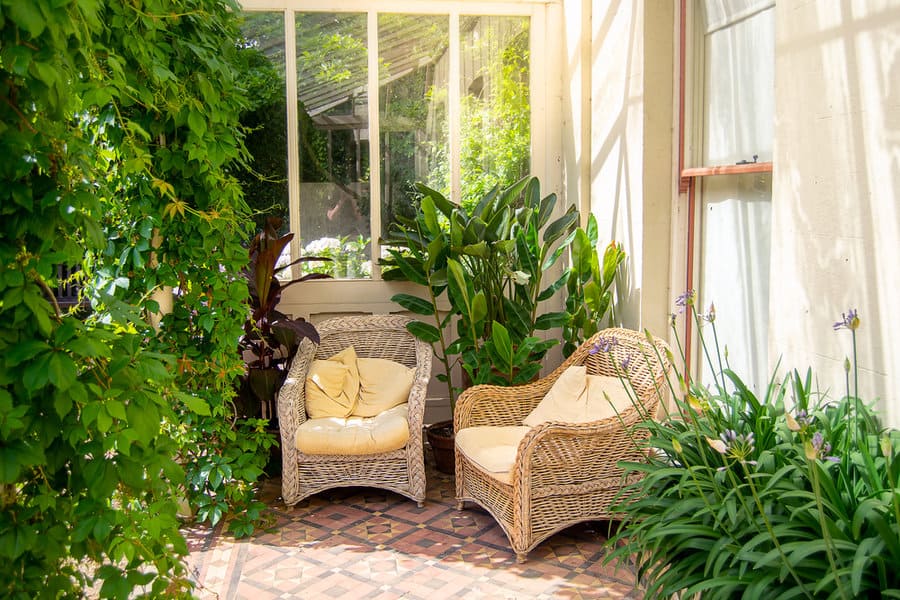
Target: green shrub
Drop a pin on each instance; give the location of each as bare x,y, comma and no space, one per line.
791,495
117,132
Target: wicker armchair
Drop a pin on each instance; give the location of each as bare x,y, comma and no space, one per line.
403,470
563,473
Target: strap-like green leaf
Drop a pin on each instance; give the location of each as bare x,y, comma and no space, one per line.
414,304
424,331
561,226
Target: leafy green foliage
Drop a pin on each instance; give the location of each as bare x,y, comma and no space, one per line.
788,495
490,262
117,131
589,298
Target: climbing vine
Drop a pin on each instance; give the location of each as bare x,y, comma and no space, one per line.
118,132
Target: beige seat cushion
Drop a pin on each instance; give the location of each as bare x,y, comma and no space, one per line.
355,435
580,398
383,384
493,449
332,385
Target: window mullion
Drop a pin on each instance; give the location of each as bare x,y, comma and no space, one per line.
374,114
454,94
293,134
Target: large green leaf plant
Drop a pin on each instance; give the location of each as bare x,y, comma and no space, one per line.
488,264
589,286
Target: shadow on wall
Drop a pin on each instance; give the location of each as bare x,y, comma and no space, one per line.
836,226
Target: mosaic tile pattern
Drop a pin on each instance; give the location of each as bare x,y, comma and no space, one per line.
369,544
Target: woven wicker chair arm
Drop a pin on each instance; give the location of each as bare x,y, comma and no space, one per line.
417,395
497,405
292,395
556,454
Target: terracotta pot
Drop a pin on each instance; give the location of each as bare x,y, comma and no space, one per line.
440,437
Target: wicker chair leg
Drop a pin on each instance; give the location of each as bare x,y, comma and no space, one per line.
521,557
460,505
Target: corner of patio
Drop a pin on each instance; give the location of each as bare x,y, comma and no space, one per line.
372,544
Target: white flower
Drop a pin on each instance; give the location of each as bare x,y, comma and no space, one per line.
322,245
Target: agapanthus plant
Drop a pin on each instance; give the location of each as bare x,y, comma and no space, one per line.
789,495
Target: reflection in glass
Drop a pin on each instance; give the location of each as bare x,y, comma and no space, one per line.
332,76
413,74
265,182
495,105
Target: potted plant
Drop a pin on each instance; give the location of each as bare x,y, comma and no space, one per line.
482,269
270,338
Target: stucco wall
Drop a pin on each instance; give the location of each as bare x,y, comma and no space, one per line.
836,223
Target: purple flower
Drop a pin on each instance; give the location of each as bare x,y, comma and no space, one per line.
603,344
733,445
849,320
802,421
684,300
626,362
821,448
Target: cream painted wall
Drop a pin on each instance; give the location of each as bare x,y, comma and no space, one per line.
625,161
836,190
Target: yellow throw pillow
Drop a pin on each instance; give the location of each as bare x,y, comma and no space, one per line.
561,402
607,397
332,385
383,384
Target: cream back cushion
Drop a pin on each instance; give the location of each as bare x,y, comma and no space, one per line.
577,397
383,384
332,385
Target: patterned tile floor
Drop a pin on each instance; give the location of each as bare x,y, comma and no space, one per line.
364,543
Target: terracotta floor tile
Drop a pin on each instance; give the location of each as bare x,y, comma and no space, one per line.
369,544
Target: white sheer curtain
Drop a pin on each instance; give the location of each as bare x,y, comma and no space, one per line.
735,222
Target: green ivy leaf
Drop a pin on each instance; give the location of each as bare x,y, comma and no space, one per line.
197,123
62,403
36,373
195,404
24,350
62,370
17,540
28,16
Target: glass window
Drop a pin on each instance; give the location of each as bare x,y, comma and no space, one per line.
265,183
358,155
495,125
737,116
333,121
413,103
